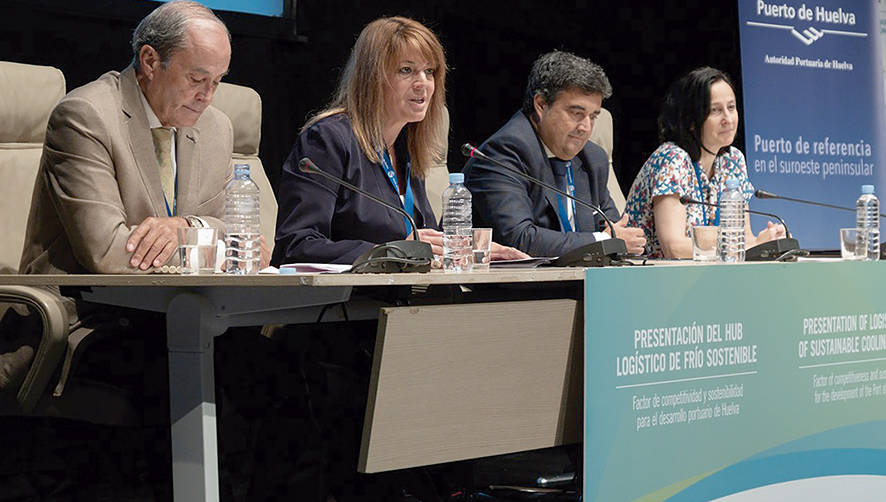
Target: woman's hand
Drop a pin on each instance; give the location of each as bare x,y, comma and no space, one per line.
265,260
771,232
432,237
497,252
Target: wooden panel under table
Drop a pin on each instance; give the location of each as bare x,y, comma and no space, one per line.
452,382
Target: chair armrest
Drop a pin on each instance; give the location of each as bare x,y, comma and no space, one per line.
53,341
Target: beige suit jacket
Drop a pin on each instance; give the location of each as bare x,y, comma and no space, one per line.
99,178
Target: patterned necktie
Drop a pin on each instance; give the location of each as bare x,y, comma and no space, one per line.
163,149
559,167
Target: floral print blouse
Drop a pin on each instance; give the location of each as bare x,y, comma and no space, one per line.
670,170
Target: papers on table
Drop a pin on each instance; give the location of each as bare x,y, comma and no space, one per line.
521,263
314,268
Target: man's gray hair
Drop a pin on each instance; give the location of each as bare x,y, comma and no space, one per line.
165,27
557,71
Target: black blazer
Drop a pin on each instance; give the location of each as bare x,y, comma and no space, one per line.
524,215
322,222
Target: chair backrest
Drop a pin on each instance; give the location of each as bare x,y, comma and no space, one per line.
437,179
243,106
28,94
602,136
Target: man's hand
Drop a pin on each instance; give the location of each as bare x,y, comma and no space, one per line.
499,252
634,238
153,241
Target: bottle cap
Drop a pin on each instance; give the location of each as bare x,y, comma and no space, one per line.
867,189
241,169
732,183
456,178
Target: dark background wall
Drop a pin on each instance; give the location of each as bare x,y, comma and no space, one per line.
490,45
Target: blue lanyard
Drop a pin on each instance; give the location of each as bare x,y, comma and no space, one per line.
701,196
570,189
408,201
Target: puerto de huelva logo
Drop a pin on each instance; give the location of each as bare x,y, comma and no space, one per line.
799,21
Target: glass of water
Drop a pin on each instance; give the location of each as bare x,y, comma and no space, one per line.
704,242
197,247
853,244
481,247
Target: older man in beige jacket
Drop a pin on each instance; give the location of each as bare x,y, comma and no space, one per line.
131,157
102,204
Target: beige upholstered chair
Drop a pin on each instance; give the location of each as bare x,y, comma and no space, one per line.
602,136
437,178
243,106
27,96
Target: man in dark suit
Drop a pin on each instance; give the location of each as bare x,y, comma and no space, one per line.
548,140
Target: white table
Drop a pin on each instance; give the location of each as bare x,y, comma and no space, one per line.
199,308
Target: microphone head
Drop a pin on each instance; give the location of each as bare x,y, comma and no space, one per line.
684,200
468,150
763,194
306,166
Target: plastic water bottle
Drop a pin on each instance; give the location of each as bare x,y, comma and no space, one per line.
457,225
730,237
242,224
867,219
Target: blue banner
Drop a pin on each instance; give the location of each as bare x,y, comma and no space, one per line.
261,7
813,108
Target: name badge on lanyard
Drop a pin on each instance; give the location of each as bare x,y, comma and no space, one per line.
570,189
408,200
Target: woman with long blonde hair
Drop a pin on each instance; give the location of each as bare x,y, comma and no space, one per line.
379,133
383,130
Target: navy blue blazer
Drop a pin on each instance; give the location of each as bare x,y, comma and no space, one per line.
524,215
319,221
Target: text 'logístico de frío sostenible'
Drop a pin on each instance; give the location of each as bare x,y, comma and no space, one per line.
668,355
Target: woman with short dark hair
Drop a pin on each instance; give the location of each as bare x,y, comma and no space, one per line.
697,125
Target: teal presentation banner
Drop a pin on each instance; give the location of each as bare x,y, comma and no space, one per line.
735,382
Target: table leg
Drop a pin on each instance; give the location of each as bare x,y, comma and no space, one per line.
191,325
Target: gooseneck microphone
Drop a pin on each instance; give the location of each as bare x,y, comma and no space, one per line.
767,251
394,256
688,200
305,165
763,194
595,254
